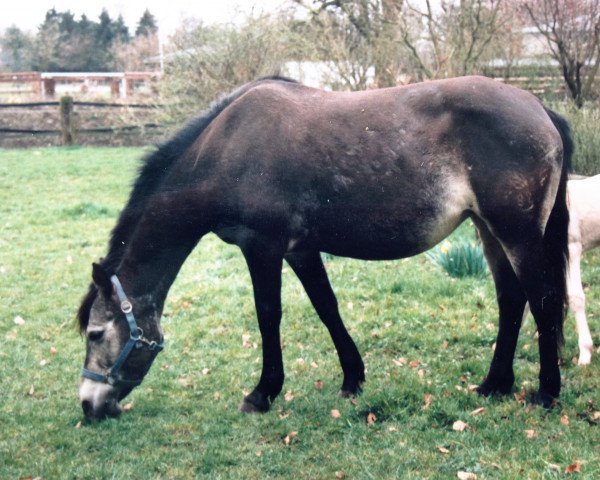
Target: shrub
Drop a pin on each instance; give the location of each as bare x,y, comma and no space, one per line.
460,259
586,135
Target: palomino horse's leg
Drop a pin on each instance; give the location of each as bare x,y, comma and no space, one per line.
511,303
577,303
265,263
309,268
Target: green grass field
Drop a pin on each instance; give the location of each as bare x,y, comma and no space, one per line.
426,339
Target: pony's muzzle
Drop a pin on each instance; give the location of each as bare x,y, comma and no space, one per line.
98,400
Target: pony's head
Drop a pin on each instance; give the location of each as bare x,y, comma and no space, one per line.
123,337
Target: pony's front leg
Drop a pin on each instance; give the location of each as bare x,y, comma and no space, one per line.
309,268
264,263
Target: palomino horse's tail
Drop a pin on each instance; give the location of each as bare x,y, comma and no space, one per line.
556,234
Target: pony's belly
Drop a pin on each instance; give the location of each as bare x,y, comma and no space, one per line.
376,242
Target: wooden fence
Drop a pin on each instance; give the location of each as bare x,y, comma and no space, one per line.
63,123
121,84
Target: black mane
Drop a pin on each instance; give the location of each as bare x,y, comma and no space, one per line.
153,170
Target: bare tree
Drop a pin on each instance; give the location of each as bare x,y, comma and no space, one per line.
419,40
459,36
203,62
572,31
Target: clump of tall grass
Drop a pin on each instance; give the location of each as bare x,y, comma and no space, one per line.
460,259
586,135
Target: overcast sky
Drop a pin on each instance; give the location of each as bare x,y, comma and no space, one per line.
29,14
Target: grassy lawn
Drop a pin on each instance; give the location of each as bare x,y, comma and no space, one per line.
425,339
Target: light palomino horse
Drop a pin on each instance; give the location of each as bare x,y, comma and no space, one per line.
584,234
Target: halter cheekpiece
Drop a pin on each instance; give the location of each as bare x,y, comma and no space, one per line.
136,340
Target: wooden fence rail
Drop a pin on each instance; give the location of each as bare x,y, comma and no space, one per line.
60,119
122,84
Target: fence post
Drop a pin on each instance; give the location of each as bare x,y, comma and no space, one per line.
67,120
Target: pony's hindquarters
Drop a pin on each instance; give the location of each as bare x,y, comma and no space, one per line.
526,243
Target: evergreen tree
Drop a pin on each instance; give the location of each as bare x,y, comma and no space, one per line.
146,25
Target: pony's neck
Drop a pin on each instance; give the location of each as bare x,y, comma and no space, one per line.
153,275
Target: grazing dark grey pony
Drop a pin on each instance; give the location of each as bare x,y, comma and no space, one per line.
285,171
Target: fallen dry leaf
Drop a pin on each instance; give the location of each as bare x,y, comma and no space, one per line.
596,416
531,433
521,396
246,343
414,363
466,476
427,399
340,475
287,440
314,364
78,425
472,388
128,407
53,350
319,384
400,362
300,361
184,382
392,429
564,419
459,426
43,363
573,468
19,320
443,450
371,418
205,371
289,396
478,411
336,413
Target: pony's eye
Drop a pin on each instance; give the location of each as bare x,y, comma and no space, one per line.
95,335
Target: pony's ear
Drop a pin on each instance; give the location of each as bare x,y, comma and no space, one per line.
102,280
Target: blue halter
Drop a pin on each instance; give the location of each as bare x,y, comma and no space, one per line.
136,340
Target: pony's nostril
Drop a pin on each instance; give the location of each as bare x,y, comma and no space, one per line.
87,408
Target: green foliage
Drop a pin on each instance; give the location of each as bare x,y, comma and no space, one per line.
460,259
423,346
208,61
64,43
586,135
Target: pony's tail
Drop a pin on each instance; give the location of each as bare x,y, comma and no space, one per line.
556,236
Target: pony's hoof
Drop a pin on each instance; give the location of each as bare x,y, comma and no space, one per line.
255,403
488,388
585,357
544,399
350,392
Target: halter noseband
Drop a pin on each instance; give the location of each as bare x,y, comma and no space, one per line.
136,340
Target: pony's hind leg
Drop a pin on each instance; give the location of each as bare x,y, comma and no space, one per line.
309,268
511,303
265,262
